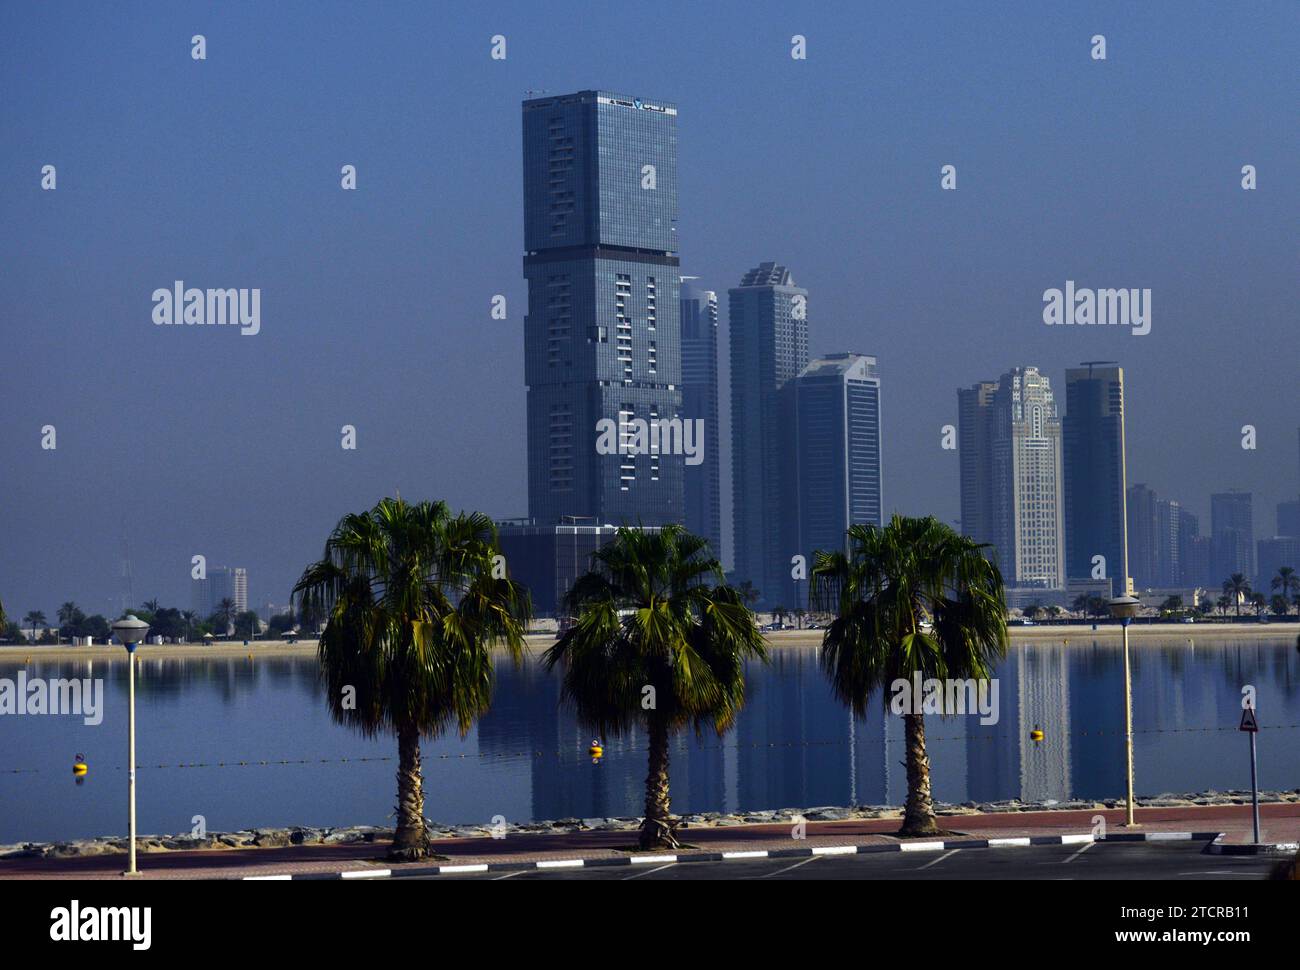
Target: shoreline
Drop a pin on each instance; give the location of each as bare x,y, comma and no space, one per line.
268,837
1285,632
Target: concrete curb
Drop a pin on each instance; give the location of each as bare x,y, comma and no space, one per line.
1219,847
745,854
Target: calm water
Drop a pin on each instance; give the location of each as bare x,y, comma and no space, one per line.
793,746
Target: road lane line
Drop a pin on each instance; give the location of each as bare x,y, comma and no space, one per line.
646,872
511,875
1076,855
778,872
935,862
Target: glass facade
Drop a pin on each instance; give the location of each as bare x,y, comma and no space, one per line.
836,468
602,339
703,482
768,320
1095,507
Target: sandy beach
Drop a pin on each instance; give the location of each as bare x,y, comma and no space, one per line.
1081,633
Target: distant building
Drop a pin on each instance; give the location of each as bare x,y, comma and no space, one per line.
836,473
547,559
1011,475
769,346
702,482
1197,555
1288,518
602,344
975,456
1095,508
1275,553
1233,533
1143,531
222,582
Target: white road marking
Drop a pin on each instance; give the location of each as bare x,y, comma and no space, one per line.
1212,872
560,864
995,843
778,872
935,862
480,867
647,872
366,873
920,846
754,854
1076,855
510,875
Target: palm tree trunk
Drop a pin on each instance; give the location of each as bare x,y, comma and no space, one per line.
410,840
658,831
918,817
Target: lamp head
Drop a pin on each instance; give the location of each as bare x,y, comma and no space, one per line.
1124,607
130,630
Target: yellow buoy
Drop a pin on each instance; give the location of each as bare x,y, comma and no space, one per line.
79,766
596,749
1036,734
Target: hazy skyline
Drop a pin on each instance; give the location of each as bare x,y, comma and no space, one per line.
376,303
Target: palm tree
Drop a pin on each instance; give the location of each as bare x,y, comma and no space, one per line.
33,619
151,605
67,614
1285,581
779,613
412,611
748,593
189,616
880,590
225,614
659,641
1237,588
1223,604
799,614
1259,601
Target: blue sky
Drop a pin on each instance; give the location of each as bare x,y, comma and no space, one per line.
375,303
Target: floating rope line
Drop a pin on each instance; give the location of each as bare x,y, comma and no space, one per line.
570,757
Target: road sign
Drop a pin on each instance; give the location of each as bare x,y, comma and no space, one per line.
1248,722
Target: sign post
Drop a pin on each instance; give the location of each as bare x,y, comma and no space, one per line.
1251,727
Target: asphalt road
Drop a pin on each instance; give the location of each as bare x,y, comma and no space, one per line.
1094,860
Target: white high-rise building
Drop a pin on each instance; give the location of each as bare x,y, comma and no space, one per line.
1019,493
1027,483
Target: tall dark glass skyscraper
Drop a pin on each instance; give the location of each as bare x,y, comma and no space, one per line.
703,482
1095,509
769,346
1232,527
602,338
835,464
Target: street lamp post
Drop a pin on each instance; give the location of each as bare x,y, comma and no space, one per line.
1124,608
130,631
